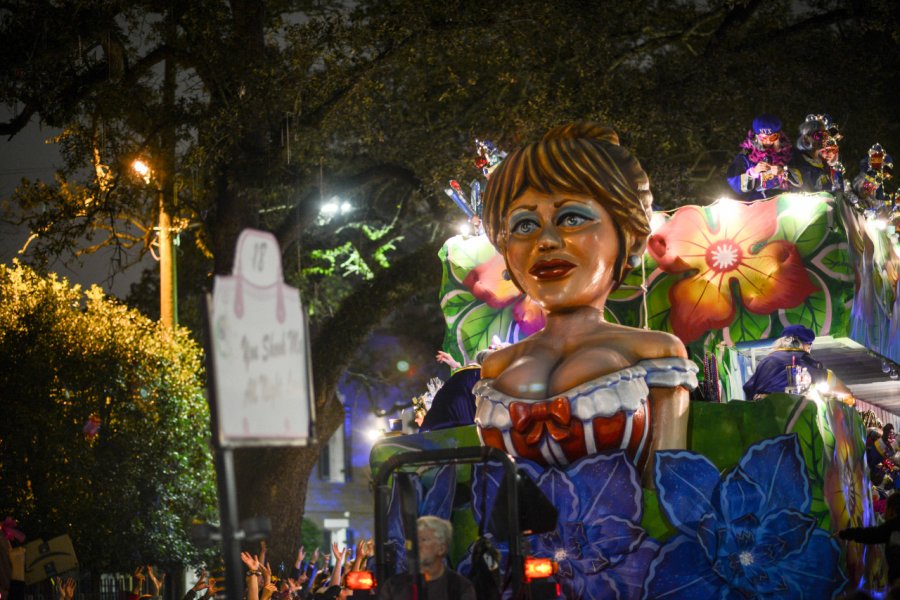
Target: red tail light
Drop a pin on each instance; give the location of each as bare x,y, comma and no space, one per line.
539,568
360,580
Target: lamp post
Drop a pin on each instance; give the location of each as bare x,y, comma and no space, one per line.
168,299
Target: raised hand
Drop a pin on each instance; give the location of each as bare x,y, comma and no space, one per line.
266,571
67,589
443,357
315,555
267,591
202,583
293,584
157,581
214,588
301,554
251,560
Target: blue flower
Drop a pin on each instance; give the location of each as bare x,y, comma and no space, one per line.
598,543
747,535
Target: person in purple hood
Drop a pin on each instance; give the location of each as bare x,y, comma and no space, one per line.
761,168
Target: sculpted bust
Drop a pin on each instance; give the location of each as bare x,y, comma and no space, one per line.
570,215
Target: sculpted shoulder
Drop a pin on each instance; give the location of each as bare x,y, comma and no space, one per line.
641,344
663,345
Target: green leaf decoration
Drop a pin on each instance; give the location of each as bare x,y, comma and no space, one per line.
748,326
477,326
741,423
455,302
815,311
631,286
610,316
812,445
805,223
653,521
465,253
834,262
658,305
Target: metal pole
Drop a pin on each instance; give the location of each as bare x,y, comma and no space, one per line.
231,532
166,266
225,480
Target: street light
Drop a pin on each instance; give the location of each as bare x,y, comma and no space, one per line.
168,300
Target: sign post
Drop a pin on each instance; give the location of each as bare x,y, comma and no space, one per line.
258,368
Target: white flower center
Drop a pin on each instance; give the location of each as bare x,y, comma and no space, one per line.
560,555
746,558
725,256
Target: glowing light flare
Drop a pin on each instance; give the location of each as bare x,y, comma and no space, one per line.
402,366
728,210
464,229
142,169
373,435
657,221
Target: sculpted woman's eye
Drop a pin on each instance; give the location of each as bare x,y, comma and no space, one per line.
572,220
523,226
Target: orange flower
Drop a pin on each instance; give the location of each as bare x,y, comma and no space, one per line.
721,245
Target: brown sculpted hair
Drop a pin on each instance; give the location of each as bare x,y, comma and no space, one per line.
579,158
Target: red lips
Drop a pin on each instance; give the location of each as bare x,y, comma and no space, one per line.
551,269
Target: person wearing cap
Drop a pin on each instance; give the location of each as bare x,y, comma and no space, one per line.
761,168
792,348
817,165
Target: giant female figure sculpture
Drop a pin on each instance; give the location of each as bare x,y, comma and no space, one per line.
570,215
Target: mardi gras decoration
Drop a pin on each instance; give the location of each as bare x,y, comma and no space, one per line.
570,217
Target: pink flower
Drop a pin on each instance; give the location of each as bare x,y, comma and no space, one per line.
489,283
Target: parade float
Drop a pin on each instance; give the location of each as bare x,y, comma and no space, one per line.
749,507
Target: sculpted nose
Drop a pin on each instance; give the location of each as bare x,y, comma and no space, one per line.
549,239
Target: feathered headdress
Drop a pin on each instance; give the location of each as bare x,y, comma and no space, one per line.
422,402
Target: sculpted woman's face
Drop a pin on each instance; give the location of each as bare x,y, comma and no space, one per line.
561,248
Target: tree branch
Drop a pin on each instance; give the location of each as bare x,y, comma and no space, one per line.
293,225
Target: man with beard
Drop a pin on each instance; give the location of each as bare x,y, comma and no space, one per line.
761,169
817,166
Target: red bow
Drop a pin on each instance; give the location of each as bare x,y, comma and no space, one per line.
531,418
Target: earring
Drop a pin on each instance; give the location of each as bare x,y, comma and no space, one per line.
506,276
634,260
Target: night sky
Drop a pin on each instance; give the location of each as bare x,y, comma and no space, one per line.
27,155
